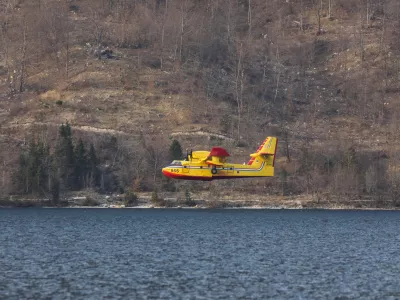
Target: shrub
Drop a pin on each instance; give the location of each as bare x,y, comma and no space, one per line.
188,199
216,204
90,202
168,185
156,200
130,198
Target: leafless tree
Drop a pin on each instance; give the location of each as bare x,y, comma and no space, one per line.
163,24
249,17
23,58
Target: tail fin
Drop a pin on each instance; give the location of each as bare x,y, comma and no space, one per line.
266,152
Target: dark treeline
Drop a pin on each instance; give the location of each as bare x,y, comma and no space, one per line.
44,171
71,165
341,173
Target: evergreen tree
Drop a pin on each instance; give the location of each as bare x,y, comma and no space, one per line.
55,190
81,165
66,145
70,167
156,200
34,168
175,150
188,199
65,156
130,198
93,170
22,176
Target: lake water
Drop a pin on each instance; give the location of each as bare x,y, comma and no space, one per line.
199,254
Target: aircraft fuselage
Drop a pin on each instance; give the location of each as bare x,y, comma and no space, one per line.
210,165
206,172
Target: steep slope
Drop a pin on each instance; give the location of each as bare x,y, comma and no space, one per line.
226,74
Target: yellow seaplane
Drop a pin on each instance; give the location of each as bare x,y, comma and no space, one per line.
210,165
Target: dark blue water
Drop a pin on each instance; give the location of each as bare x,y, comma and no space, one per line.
198,254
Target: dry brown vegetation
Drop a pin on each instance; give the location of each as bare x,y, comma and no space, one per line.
322,75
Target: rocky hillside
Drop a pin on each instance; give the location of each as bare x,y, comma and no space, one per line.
130,76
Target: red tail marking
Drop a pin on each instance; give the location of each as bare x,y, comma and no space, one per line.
276,147
250,161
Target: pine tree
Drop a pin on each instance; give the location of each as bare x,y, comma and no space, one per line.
93,171
55,190
188,199
130,198
70,167
65,156
34,168
156,200
175,150
81,165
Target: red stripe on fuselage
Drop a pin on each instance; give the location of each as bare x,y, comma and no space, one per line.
188,177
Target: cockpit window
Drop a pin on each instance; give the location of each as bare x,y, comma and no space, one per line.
176,163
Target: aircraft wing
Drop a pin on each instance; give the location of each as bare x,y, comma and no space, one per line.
217,156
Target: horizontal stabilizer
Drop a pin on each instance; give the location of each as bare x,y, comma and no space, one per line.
266,151
261,153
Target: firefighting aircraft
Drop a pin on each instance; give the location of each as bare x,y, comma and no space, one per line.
210,165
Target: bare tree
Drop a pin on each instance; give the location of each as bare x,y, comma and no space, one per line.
98,30
330,9
163,24
249,17
182,28
23,58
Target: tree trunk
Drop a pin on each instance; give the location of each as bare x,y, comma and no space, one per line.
23,62
329,9
249,18
163,35
181,33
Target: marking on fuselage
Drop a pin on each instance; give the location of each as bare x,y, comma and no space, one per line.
222,168
252,170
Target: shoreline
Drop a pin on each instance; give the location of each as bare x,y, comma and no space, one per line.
150,207
90,199
231,208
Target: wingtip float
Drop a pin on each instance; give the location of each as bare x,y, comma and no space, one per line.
210,165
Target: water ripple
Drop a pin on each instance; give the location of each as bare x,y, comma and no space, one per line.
198,254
